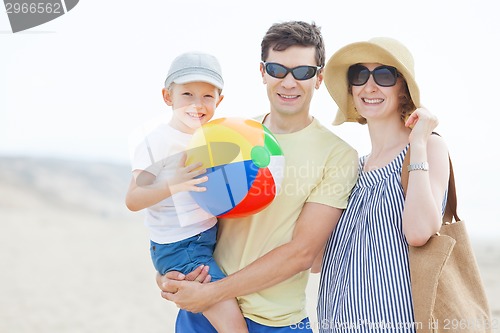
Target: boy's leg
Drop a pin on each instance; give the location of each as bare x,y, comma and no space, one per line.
222,317
226,317
188,322
186,255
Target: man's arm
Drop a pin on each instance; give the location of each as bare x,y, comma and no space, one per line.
318,261
315,224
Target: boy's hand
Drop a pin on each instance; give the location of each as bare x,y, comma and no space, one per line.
184,178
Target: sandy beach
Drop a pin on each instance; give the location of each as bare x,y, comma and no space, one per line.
74,259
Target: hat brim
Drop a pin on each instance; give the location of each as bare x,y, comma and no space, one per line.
188,78
335,75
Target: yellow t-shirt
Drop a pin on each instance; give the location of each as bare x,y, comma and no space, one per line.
319,167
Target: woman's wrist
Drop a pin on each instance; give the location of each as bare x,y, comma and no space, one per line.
418,153
424,166
418,144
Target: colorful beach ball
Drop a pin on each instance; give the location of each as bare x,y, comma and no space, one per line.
244,163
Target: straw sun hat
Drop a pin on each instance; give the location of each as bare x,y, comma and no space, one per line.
386,51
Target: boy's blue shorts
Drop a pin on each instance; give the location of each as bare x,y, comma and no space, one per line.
185,255
188,322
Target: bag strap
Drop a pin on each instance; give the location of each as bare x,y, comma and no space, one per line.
450,211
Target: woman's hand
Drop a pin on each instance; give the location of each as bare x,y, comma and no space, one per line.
422,122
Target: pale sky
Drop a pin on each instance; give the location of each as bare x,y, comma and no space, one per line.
75,87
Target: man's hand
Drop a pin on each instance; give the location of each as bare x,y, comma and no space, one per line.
185,290
166,282
192,296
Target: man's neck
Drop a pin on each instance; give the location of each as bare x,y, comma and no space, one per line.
284,124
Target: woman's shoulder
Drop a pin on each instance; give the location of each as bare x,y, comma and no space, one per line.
437,145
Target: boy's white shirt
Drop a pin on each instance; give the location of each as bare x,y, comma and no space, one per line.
179,216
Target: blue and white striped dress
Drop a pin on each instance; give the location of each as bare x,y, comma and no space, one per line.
365,278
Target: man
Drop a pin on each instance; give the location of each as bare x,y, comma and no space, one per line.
267,256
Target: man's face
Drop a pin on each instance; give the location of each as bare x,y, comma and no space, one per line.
289,96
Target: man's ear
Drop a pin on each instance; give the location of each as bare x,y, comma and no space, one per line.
263,73
166,96
319,78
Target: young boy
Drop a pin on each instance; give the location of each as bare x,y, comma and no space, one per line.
182,234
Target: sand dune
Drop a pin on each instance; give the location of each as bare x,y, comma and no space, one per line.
74,259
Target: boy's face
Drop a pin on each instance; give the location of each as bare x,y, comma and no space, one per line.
193,104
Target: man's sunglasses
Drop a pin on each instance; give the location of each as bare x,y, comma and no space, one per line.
384,76
299,73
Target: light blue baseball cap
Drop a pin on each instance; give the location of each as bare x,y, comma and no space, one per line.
195,67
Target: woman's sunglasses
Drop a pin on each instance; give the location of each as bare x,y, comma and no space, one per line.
299,73
384,76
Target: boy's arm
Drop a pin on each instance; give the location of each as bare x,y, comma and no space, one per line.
314,225
144,191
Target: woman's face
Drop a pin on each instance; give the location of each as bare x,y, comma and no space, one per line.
373,101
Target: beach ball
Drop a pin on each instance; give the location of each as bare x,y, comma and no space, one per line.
244,163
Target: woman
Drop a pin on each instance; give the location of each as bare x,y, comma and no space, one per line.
365,279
